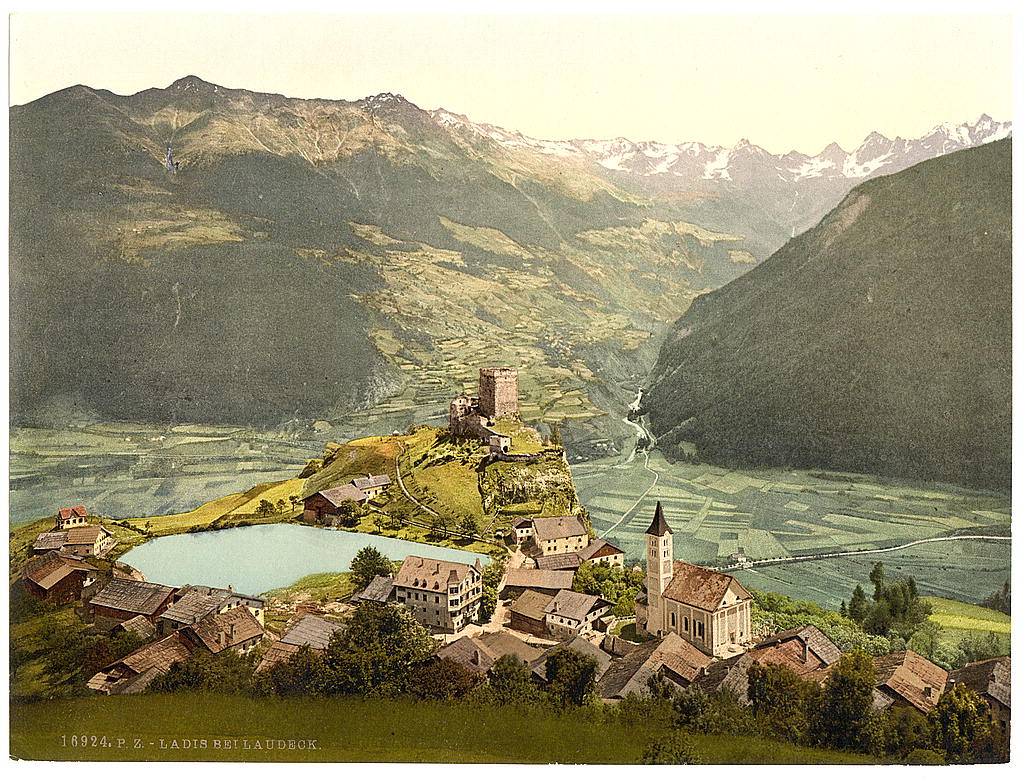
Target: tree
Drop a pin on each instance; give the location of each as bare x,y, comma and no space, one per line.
442,679
438,526
841,716
556,434
226,672
571,678
781,698
368,564
959,723
858,608
265,508
899,730
673,748
348,513
397,516
468,526
877,577
378,651
510,683
488,602
1000,599
282,506
304,673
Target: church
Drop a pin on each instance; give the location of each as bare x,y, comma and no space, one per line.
709,609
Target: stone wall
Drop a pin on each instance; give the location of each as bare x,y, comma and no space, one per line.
499,392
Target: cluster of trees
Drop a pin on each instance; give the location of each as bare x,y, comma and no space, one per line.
368,564
384,652
617,585
1000,599
838,715
894,606
493,572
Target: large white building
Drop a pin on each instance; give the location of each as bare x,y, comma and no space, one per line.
709,609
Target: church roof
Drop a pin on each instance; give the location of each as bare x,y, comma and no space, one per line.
700,587
659,526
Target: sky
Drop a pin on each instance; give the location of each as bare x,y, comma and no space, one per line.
783,82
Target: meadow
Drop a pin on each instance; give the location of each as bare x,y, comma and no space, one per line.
194,727
716,512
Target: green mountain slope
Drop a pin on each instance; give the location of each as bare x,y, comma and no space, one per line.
878,341
320,259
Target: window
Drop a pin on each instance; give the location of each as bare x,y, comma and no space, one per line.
686,624
672,618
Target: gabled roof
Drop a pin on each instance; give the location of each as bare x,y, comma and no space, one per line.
192,607
683,662
548,528
218,632
425,573
577,644
524,522
504,643
338,495
52,569
659,526
532,578
140,626
986,677
693,585
74,511
909,676
559,562
369,482
278,652
160,654
230,596
599,548
378,591
85,535
132,596
575,605
816,641
729,675
312,631
470,653
53,540
531,604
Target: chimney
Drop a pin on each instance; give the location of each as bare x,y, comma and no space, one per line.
231,632
476,657
231,588
927,692
222,638
803,651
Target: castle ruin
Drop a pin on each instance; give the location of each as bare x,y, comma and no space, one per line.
498,398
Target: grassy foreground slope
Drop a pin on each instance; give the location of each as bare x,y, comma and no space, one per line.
351,729
879,341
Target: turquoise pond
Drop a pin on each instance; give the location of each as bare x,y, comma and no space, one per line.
258,558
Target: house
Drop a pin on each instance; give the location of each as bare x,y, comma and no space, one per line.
439,593
708,608
323,506
675,658
727,676
558,535
528,614
907,679
235,629
71,517
478,654
601,551
539,667
193,602
571,613
524,530
134,672
89,541
56,578
991,680
518,580
306,630
121,599
81,541
569,561
380,590
139,625
804,650
371,485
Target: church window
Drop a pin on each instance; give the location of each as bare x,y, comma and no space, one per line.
686,624
672,617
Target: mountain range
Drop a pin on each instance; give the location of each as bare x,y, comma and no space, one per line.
358,260
878,341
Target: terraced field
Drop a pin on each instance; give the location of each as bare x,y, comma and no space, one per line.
716,512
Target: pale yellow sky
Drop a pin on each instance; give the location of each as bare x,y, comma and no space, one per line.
783,82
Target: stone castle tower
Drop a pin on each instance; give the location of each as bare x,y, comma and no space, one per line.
660,562
499,392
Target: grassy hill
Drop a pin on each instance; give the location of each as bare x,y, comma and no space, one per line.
958,621
879,341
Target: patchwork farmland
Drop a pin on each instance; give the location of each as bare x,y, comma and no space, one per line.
716,512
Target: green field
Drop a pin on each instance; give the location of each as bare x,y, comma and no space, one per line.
960,621
174,726
715,512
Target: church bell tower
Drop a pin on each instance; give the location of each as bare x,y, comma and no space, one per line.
659,570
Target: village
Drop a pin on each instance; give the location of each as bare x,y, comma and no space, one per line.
692,626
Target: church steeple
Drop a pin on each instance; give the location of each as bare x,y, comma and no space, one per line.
659,526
